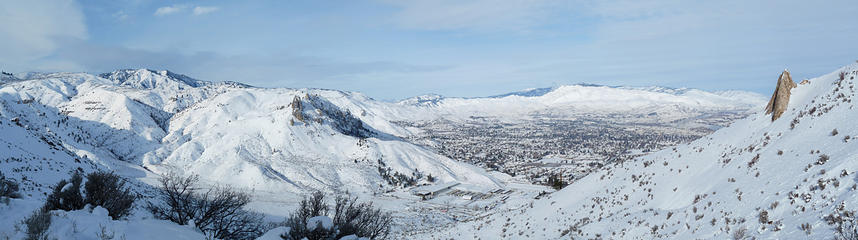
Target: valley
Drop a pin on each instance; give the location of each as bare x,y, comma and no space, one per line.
570,145
428,119
441,165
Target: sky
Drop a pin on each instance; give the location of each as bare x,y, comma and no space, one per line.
394,49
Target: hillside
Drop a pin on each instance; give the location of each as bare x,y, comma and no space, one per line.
170,122
770,180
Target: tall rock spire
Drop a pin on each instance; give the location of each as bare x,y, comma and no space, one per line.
780,98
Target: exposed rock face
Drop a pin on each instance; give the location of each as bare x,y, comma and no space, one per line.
780,99
804,82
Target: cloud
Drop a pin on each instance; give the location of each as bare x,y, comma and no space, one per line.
28,29
477,15
200,10
120,15
174,9
168,10
280,69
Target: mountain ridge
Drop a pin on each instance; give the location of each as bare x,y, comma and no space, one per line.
139,116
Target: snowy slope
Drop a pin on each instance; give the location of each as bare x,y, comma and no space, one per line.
135,122
31,154
149,79
232,133
254,138
792,171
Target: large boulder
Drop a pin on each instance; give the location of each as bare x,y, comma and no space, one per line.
780,99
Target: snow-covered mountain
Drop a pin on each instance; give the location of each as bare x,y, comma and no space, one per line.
783,179
272,139
588,98
279,143
149,79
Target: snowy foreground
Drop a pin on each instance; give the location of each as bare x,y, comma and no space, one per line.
280,144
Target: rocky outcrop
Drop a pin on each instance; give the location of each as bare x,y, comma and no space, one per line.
780,99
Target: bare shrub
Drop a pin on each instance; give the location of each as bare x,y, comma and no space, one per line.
844,222
740,233
177,194
807,228
108,190
218,212
311,206
66,195
764,217
38,224
8,188
350,217
754,161
104,233
822,159
361,219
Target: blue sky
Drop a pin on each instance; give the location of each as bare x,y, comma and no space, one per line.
393,49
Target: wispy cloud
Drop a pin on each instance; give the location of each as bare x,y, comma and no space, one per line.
167,10
478,15
266,70
175,9
120,15
200,10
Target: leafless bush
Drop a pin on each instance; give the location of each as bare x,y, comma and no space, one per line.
217,212
108,190
754,160
177,194
846,230
822,159
350,218
104,233
8,188
361,219
807,228
311,206
740,233
66,195
764,217
38,224
845,223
